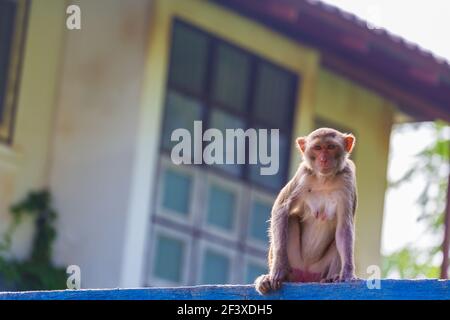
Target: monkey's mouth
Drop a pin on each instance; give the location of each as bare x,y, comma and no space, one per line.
326,168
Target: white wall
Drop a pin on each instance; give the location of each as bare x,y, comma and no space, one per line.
95,135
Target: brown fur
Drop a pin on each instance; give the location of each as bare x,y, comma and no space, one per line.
312,227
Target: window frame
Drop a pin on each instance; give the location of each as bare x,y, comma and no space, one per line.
209,104
13,72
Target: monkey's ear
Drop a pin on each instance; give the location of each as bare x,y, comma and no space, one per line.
301,144
349,142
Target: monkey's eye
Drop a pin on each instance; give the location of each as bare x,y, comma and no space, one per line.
317,147
331,147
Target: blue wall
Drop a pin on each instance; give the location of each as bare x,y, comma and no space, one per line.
390,289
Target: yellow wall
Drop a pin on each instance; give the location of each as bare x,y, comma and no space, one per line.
369,116
24,164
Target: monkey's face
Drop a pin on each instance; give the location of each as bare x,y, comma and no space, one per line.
324,155
325,150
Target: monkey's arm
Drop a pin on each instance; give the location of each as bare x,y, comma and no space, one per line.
278,237
345,236
279,266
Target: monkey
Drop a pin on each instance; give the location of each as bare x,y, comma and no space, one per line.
311,233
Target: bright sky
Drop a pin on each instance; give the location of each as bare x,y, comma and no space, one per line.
426,23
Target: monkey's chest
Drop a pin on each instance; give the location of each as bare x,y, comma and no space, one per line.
321,204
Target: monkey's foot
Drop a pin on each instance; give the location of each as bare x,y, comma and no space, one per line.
276,277
332,279
272,281
348,278
262,284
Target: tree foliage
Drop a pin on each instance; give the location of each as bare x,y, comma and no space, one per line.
432,163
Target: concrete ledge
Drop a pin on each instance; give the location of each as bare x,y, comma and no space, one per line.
390,290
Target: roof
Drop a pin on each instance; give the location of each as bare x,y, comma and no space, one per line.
414,78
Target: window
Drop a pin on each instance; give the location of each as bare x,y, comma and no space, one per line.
186,109
220,212
12,31
259,217
273,96
221,207
227,88
216,268
189,53
169,258
222,120
253,271
272,180
231,85
176,191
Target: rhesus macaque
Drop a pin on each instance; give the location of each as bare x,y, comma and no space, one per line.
311,226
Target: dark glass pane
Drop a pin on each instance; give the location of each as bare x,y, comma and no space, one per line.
259,218
273,96
216,268
181,112
222,120
275,181
189,57
231,77
176,193
7,17
221,207
253,271
168,258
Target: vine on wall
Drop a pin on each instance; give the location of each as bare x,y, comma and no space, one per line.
37,271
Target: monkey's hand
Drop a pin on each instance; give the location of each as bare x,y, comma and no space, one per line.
347,277
277,275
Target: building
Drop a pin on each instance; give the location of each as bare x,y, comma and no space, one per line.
87,113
